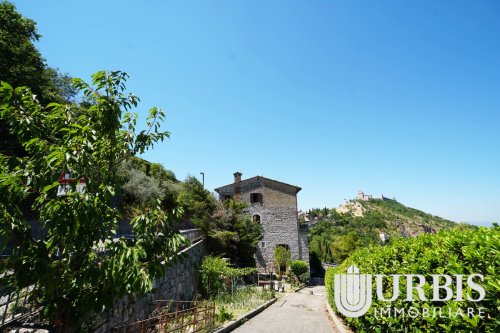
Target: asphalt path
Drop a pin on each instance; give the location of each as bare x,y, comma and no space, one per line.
300,312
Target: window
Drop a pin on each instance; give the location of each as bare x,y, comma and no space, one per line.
262,244
256,218
255,198
228,197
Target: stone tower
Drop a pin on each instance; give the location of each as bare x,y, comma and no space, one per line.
274,205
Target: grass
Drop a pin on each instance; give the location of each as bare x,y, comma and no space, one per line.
231,305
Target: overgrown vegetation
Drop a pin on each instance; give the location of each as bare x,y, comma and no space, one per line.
457,251
282,257
22,65
89,131
225,285
231,305
233,234
216,275
199,205
72,279
299,270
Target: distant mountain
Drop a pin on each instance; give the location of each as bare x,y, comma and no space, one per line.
406,221
335,233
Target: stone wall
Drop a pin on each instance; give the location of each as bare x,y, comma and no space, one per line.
278,215
277,211
304,243
179,283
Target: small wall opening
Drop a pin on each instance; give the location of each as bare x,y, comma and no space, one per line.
256,218
286,246
255,198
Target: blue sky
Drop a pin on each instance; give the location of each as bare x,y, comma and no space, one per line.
400,98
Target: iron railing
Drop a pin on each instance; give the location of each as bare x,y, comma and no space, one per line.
15,305
175,317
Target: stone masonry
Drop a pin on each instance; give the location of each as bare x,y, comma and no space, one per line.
180,282
274,204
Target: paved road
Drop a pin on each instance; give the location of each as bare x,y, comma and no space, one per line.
297,313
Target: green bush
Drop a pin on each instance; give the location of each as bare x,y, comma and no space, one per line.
231,233
282,257
300,269
450,252
211,272
223,315
140,187
215,272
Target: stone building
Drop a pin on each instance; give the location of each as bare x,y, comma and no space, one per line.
274,205
364,197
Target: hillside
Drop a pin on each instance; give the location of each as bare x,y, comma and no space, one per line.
335,233
398,218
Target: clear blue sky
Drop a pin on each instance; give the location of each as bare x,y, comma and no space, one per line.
400,98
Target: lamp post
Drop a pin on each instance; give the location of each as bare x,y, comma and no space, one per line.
203,178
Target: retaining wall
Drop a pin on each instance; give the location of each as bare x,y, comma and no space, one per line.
180,282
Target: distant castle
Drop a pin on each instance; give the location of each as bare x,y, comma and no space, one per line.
366,197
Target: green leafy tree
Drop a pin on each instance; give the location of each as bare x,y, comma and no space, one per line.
145,183
139,187
344,245
282,257
78,269
22,65
198,204
234,235
214,271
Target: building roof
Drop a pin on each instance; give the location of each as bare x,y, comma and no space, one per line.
266,182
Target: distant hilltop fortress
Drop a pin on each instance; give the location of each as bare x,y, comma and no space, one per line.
366,197
354,206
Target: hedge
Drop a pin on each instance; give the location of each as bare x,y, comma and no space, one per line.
454,251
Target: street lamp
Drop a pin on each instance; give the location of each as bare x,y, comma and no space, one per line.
203,178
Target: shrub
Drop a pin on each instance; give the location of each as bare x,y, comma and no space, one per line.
211,271
140,187
282,257
300,270
214,272
450,252
223,315
232,234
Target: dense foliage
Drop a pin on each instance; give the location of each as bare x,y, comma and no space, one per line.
216,275
456,251
145,183
233,234
299,270
79,268
22,65
199,205
334,239
282,257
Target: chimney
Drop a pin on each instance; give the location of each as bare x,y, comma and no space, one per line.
237,188
237,177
